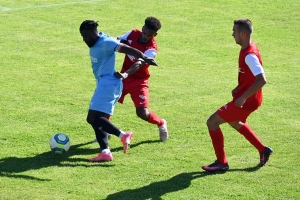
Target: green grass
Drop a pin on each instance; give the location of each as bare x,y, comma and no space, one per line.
46,84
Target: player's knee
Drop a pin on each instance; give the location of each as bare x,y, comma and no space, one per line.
90,119
94,116
96,121
142,113
211,122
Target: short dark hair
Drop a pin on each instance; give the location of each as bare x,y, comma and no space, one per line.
89,25
244,25
152,23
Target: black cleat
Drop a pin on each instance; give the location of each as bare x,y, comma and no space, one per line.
216,166
264,156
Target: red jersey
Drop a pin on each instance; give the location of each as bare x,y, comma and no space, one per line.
246,78
132,40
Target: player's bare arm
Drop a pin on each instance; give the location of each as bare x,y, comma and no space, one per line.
234,91
260,81
137,53
135,67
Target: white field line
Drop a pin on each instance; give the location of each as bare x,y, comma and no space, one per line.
5,9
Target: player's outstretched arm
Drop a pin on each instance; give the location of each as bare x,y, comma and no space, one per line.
136,66
138,54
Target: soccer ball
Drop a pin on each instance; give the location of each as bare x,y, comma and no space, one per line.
60,143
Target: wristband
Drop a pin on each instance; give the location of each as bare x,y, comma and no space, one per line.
125,75
141,59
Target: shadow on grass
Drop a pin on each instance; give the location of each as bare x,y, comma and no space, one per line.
136,145
10,166
156,190
250,169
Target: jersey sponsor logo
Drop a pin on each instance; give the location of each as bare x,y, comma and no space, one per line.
241,70
142,102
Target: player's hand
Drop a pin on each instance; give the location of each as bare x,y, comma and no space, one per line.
234,91
150,61
119,75
239,102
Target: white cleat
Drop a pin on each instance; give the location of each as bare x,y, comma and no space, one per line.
163,131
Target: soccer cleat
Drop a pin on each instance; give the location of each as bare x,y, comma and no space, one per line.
163,131
264,156
102,157
216,166
127,137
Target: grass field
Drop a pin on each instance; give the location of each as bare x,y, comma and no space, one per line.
46,84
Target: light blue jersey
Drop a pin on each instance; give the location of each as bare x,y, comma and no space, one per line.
103,56
109,88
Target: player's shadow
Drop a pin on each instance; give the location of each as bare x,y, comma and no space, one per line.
11,166
250,169
156,190
136,144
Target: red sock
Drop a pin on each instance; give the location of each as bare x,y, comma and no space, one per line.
217,140
249,134
154,119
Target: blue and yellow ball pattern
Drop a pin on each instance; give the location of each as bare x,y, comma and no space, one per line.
60,143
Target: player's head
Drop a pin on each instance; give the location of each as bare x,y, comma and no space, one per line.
242,30
89,32
149,30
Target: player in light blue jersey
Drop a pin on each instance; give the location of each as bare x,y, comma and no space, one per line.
108,87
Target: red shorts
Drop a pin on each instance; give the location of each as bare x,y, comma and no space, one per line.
138,90
231,113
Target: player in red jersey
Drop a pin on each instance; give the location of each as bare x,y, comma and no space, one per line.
136,75
247,97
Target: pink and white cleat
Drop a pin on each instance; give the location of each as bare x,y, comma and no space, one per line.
127,137
102,157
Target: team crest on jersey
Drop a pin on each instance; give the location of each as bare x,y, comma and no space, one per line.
129,41
132,58
94,60
241,70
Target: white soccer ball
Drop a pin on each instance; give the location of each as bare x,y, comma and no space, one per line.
60,143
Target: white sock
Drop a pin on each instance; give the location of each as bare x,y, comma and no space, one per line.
121,134
106,151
